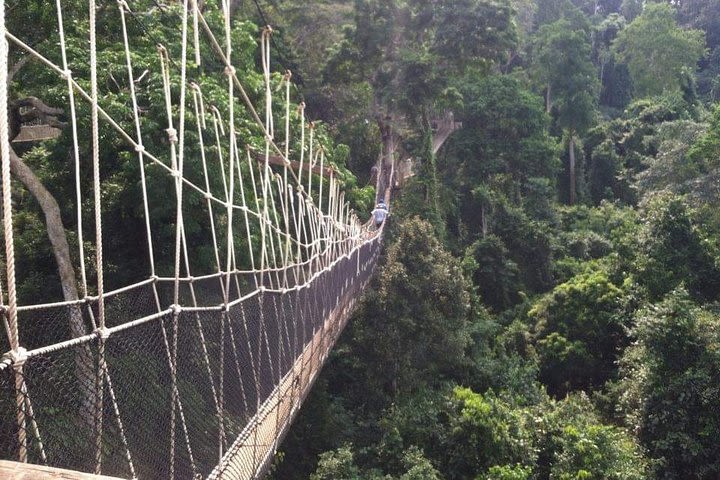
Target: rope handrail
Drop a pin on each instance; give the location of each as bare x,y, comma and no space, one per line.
214,357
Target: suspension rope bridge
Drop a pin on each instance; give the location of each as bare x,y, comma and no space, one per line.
191,374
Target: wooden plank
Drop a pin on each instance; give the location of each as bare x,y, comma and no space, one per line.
251,454
36,133
28,471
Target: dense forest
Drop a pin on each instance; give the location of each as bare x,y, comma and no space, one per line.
546,307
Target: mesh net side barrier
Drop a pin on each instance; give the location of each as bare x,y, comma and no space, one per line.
241,374
186,372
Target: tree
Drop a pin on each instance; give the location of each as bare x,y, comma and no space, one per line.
413,325
418,467
485,431
492,272
703,15
504,131
670,387
573,443
604,166
404,51
562,58
616,89
550,11
672,252
473,32
706,151
337,465
508,472
674,167
656,50
579,333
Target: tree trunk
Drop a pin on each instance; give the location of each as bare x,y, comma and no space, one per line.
388,156
483,220
84,369
548,99
571,147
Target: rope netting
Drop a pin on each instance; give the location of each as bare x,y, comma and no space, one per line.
196,369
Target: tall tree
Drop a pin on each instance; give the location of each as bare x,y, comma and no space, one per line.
657,51
562,58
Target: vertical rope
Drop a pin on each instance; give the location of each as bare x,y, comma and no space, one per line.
196,32
229,72
122,6
76,148
311,159
288,77
100,379
6,188
301,113
265,55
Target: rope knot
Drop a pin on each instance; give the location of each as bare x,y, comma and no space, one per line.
229,70
208,196
18,357
172,135
139,148
103,333
123,4
176,309
67,74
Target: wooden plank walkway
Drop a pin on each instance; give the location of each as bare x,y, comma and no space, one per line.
252,453
27,471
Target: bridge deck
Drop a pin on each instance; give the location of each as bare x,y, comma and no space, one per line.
28,471
252,454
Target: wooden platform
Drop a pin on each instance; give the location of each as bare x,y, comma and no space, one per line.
28,471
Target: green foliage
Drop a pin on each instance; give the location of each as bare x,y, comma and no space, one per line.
672,252
579,331
541,295
616,86
474,32
507,472
550,11
415,325
562,56
656,50
576,445
674,167
671,387
492,272
418,467
337,465
507,126
486,431
604,166
705,152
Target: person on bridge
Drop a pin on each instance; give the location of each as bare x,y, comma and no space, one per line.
380,213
